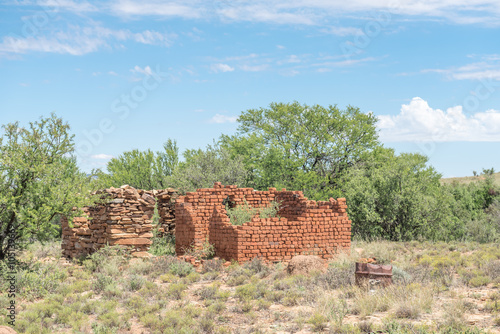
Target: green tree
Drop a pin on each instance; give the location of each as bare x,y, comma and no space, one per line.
302,147
143,169
398,197
202,168
39,181
476,205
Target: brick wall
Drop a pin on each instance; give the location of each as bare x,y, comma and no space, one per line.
125,219
305,227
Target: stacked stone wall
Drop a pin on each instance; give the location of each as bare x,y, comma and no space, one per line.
305,227
125,218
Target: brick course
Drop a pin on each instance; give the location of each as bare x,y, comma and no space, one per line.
306,227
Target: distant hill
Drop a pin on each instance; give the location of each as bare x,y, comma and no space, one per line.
469,179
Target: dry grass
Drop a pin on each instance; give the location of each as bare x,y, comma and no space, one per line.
438,288
469,179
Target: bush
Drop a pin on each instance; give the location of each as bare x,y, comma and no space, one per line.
479,281
244,213
135,282
39,280
103,282
212,266
163,245
107,259
318,322
338,275
180,268
241,214
176,290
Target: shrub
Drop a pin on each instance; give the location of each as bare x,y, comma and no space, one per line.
400,276
180,268
246,306
207,325
102,282
135,282
479,281
162,245
107,259
213,265
270,211
208,292
207,251
407,310
49,249
492,269
241,214
176,290
191,278
244,213
337,275
334,309
318,322
256,266
39,280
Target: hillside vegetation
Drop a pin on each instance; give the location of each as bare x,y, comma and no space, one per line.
470,179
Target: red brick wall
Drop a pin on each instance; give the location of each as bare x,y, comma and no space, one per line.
306,227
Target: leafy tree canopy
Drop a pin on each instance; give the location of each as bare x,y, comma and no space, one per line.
202,168
300,146
39,180
392,196
143,169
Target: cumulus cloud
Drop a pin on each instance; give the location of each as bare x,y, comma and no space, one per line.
419,122
101,156
219,119
221,68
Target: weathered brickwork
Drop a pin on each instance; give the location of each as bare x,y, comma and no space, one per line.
305,227
125,219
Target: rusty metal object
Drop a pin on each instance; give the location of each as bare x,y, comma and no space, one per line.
373,274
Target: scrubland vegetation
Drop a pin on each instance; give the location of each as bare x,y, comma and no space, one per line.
438,288
442,237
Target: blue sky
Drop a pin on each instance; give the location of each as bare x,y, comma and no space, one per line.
129,75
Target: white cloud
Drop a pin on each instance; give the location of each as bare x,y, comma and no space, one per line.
343,63
267,12
102,156
146,70
418,122
294,12
153,37
185,9
487,68
344,31
311,12
78,40
254,68
219,119
72,6
221,68
113,73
